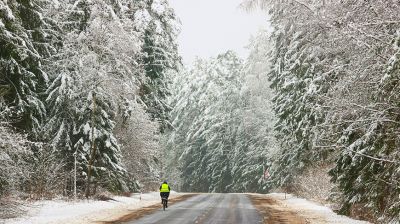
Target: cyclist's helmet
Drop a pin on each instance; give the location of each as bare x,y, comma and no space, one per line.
165,182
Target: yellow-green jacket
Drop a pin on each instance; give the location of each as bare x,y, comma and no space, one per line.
165,188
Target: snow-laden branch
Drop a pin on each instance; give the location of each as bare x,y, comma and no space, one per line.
356,152
304,5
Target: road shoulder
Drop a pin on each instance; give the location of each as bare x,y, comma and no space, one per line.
278,208
273,211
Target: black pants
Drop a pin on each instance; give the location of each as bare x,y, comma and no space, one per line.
164,194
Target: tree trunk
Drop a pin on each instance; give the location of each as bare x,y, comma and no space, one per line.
93,150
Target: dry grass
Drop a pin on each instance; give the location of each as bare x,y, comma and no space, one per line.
10,208
274,212
359,211
314,183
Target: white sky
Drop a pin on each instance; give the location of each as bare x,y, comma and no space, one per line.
210,27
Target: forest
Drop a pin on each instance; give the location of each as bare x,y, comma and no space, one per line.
94,97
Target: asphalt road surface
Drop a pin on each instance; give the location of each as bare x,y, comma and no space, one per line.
206,209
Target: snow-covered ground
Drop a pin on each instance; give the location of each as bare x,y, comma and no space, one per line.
85,211
311,211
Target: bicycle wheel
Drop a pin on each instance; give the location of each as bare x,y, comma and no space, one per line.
164,204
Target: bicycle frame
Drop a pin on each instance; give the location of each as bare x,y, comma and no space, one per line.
164,202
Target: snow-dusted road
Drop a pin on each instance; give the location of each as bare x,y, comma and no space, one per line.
207,208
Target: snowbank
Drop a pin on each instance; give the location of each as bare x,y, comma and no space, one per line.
312,211
85,211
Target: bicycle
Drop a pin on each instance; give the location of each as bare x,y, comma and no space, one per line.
164,202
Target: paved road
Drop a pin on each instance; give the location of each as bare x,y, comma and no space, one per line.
207,209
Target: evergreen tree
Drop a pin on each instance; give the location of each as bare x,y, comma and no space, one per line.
218,152
296,79
56,55
26,38
255,144
96,143
332,102
94,59
61,120
367,170
160,58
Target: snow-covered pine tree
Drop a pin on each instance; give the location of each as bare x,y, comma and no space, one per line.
175,144
95,58
61,119
359,121
96,144
299,77
352,42
255,142
65,89
26,38
85,47
367,168
220,132
189,105
205,113
222,120
160,57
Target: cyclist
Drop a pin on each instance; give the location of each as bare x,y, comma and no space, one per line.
164,191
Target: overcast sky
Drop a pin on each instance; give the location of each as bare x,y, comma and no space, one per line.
210,27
